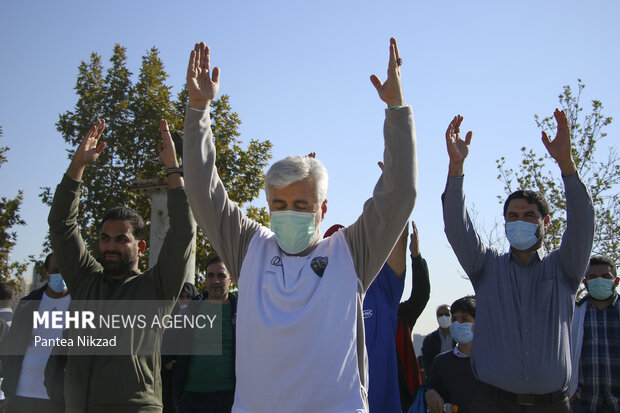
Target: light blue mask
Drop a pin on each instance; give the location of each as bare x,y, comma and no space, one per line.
521,234
461,332
56,283
294,230
600,288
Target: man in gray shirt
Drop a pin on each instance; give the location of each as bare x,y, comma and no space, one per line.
525,297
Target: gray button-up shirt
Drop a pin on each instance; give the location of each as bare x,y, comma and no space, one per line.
524,312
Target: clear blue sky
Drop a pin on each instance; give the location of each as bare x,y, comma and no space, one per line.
297,74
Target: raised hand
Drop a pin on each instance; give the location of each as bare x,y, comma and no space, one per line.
458,149
560,147
88,151
167,152
391,91
201,86
414,241
90,147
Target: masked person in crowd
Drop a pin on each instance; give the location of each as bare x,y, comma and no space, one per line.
440,340
525,297
595,341
300,343
130,382
452,380
25,364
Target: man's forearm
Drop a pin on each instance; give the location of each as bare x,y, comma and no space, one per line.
66,241
456,169
75,170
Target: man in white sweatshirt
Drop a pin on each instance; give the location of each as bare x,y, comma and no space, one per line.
300,330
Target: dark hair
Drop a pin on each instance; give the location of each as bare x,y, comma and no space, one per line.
465,305
532,197
6,291
121,213
215,259
47,261
603,260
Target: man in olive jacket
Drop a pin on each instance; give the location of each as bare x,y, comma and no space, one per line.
123,382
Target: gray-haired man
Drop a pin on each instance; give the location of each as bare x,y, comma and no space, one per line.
300,328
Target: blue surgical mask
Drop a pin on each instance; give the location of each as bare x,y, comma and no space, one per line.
461,332
56,283
600,288
294,230
521,234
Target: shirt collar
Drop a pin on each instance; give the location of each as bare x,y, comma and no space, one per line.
458,353
540,253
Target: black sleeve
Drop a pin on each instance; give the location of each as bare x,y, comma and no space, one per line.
411,309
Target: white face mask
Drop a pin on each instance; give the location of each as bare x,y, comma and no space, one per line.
444,321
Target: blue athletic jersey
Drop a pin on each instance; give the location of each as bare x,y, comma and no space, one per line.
380,312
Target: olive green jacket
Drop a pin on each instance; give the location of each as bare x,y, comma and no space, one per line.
118,383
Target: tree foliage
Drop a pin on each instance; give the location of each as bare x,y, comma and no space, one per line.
600,173
132,112
9,218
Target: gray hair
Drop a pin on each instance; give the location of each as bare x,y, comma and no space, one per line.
296,168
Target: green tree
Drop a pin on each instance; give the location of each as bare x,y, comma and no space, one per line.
9,218
132,113
601,174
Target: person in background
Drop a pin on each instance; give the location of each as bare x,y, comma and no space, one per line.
205,383
440,340
452,380
6,317
168,361
25,365
409,374
595,341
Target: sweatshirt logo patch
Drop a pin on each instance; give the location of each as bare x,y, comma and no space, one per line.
276,261
367,313
318,265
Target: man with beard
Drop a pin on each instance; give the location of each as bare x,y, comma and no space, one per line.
123,382
205,383
525,297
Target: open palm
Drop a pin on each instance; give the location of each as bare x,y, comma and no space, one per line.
90,148
458,149
201,86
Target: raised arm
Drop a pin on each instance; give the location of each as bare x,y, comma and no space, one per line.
174,256
222,221
459,229
577,239
411,308
397,259
67,243
458,149
560,147
384,216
